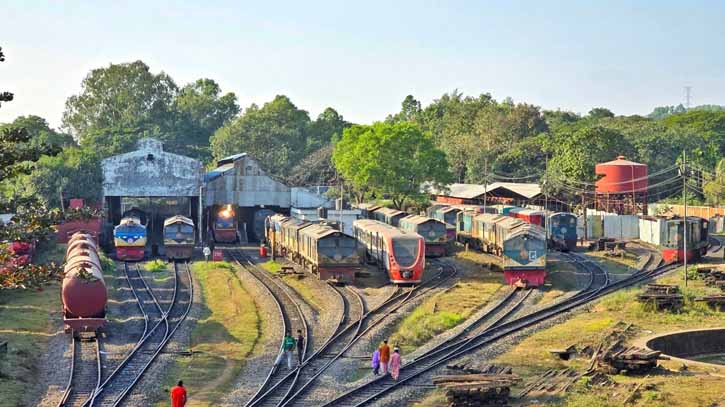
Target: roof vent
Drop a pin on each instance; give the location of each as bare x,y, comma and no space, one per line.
149,157
620,157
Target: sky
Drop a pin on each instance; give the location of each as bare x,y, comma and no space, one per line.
362,58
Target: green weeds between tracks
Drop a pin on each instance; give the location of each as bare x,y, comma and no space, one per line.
156,266
224,336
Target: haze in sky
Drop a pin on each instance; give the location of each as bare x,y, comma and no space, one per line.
363,58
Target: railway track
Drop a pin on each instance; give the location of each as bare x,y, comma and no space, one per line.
85,372
715,245
159,326
292,320
355,324
462,345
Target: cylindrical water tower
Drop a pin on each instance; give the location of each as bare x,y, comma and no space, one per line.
623,187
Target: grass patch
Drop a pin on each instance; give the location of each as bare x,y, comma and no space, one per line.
614,265
443,311
26,326
304,291
156,266
272,266
531,356
224,336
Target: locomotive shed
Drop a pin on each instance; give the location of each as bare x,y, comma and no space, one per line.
159,183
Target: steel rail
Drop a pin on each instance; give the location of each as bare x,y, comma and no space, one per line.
290,305
468,344
70,391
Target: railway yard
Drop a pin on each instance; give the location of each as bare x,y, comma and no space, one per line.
164,325
166,246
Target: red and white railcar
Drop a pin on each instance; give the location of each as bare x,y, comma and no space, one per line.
400,253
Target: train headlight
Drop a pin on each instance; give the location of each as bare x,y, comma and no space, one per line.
407,274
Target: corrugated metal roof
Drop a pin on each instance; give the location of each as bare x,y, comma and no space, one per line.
231,158
218,172
472,191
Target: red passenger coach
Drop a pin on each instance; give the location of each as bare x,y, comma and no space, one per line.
400,253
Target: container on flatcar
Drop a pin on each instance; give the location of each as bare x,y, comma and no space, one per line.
390,216
179,238
528,215
432,230
129,237
401,254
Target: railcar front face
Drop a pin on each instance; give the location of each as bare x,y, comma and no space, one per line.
435,235
225,225
406,259
130,241
524,259
338,258
179,241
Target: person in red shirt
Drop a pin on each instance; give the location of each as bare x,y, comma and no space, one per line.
178,395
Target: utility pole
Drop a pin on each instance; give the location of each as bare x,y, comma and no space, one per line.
688,96
485,181
546,196
684,223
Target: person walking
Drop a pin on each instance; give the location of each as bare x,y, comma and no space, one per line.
288,345
395,364
300,346
178,395
385,356
376,362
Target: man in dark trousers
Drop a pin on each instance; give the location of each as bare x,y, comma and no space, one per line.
300,345
178,395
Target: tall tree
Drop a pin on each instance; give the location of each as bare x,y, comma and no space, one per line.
577,148
122,101
74,173
328,126
40,132
390,159
201,109
600,113
275,134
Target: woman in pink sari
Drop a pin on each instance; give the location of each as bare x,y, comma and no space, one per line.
395,364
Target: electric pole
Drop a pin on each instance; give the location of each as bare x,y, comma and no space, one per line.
688,96
684,223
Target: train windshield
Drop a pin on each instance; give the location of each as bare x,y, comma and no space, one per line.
450,217
224,223
334,246
130,230
405,250
432,231
177,231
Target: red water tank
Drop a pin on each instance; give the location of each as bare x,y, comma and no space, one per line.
262,251
621,176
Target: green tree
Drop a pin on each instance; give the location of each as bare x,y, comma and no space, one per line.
120,104
328,126
275,134
201,109
391,160
40,132
577,148
600,113
715,188
74,173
